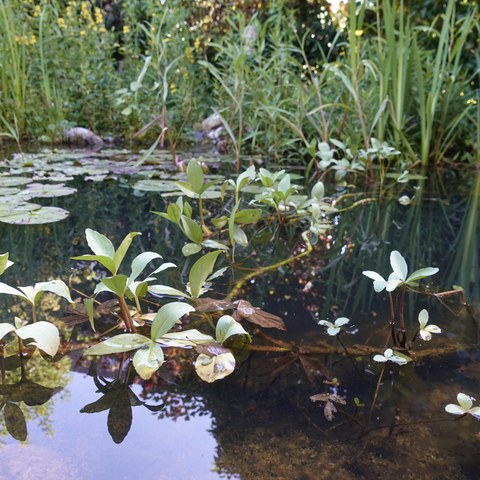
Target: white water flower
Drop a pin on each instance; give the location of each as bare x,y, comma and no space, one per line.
426,330
392,356
464,406
334,328
404,200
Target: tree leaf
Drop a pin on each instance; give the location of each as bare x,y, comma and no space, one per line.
167,316
99,244
124,342
148,360
123,248
200,271
45,336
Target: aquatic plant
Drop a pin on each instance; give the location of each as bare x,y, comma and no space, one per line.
464,406
335,328
392,356
426,331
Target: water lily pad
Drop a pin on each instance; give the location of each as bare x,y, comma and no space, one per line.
155,185
35,217
8,191
17,207
42,190
8,181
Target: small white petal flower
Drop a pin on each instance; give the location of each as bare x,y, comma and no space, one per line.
334,328
392,356
404,200
464,406
426,330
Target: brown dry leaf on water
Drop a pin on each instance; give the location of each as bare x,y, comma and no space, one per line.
329,409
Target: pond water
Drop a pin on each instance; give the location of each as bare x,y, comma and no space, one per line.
84,419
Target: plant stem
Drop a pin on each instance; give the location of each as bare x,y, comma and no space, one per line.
125,314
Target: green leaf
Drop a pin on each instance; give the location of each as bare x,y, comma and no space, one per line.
187,189
122,249
185,338
191,249
8,290
58,287
245,178
284,184
165,290
195,175
4,262
99,244
219,222
140,262
107,262
167,316
214,368
44,334
148,360
124,342
116,284
200,271
318,191
5,329
239,236
191,229
251,215
422,273
214,244
88,304
227,326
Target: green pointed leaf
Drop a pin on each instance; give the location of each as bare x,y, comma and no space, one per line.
239,236
185,338
214,244
200,271
124,342
245,178
191,229
422,273
123,248
140,262
148,360
107,262
88,304
167,316
4,262
165,290
58,287
44,334
187,189
99,244
195,175
227,326
116,284
251,215
318,191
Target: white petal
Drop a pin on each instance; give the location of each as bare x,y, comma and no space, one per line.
333,331
454,409
388,353
475,411
423,318
373,275
433,329
393,282
465,401
326,323
339,322
425,335
399,265
379,285
379,358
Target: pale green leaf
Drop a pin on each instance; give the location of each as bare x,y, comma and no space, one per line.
191,229
8,290
399,265
122,249
227,326
99,244
239,236
88,304
195,175
185,338
140,262
124,342
200,271
45,336
4,262
5,329
148,360
107,262
116,284
58,287
166,290
214,368
167,316
191,249
422,273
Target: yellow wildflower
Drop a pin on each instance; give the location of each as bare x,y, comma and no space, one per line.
61,23
126,29
358,33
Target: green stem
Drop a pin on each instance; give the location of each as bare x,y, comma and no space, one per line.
125,314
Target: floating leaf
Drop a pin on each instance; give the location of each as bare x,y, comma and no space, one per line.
35,217
40,190
214,368
14,181
154,185
148,360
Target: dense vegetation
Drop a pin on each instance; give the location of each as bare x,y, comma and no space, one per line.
285,76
